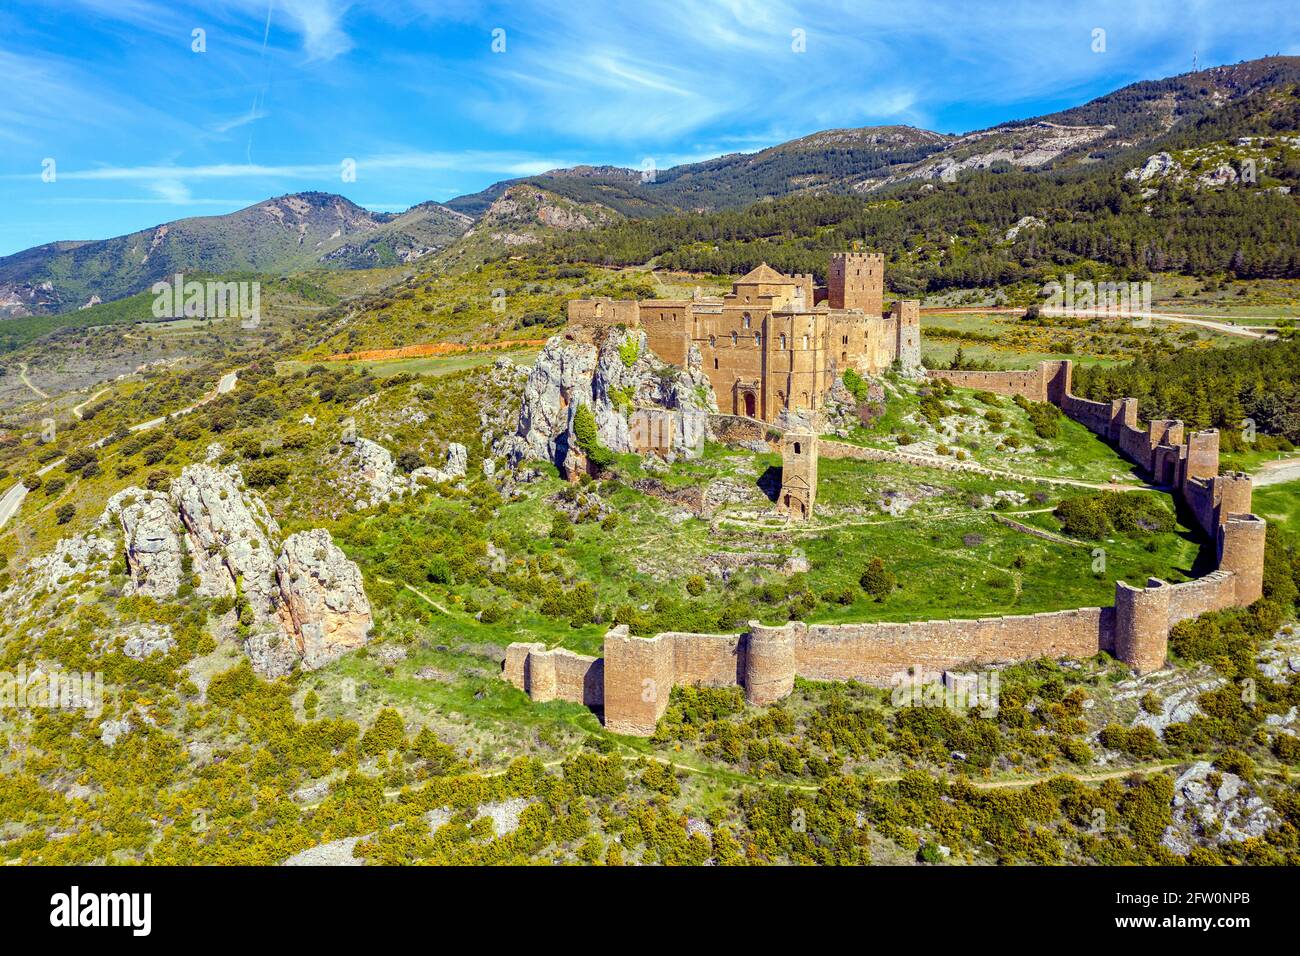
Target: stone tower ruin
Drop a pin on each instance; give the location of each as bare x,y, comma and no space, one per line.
798,474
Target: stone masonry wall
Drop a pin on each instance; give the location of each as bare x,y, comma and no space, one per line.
636,675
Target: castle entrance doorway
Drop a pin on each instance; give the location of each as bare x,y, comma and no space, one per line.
750,409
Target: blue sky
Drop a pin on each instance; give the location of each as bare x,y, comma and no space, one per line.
142,129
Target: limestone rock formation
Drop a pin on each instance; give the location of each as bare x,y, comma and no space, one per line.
456,466
1217,806
152,540
639,402
563,370
229,533
302,601
376,472
374,477
1022,224
325,606
1157,166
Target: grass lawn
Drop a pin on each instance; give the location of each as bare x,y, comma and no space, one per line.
1279,504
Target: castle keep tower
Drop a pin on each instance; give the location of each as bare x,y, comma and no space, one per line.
798,474
856,280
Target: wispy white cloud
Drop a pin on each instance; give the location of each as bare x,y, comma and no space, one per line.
251,116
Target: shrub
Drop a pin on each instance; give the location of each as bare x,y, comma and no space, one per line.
877,580
584,430
1095,516
65,513
386,733
265,473
409,460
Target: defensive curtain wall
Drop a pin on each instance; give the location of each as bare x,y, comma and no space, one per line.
634,678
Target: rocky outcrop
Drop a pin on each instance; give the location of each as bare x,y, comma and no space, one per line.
152,534
639,402
1217,807
374,477
1022,224
229,534
1157,166
456,466
562,371
325,606
300,603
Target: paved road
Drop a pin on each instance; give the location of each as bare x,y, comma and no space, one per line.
13,498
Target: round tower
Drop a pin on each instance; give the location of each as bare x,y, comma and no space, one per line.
1241,551
769,663
1142,625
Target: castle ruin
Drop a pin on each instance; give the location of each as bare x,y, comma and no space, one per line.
633,681
776,344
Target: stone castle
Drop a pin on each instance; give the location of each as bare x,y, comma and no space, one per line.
631,683
775,344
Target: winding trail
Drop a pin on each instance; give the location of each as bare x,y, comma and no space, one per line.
78,409
1277,472
13,498
22,374
1178,318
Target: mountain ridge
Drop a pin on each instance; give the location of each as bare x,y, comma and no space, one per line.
311,228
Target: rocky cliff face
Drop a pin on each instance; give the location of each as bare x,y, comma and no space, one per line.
325,607
304,607
229,534
151,531
639,402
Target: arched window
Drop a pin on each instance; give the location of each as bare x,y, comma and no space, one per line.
713,342
796,448
782,341
805,343
747,320
733,340
758,340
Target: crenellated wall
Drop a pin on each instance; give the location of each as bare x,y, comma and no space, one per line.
634,680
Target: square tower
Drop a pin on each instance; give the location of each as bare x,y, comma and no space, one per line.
798,474
856,280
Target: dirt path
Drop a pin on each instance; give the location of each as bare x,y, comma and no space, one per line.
1178,318
850,452
769,524
78,409
22,374
1005,784
421,595
1277,472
